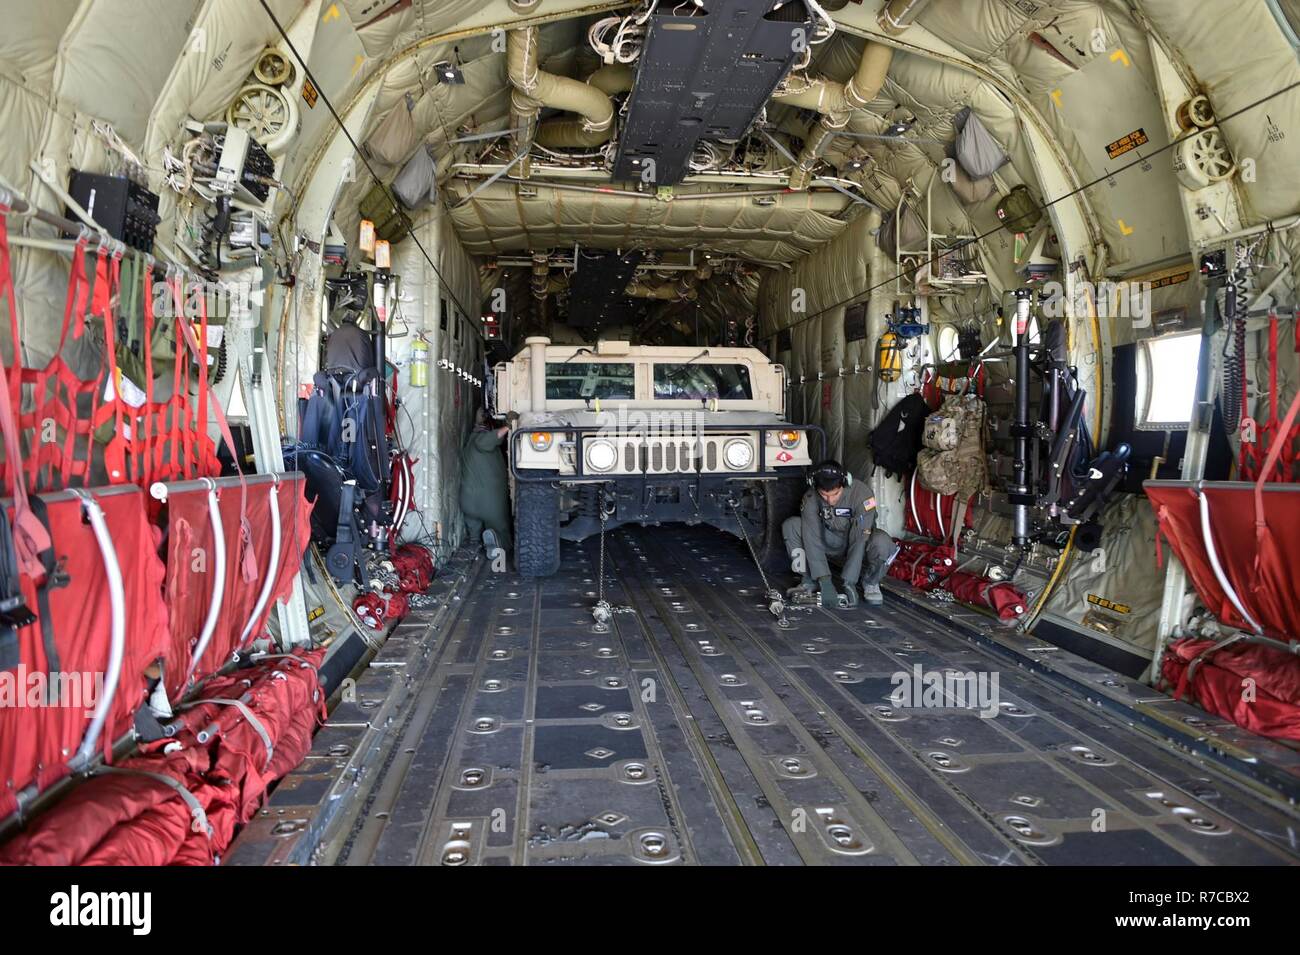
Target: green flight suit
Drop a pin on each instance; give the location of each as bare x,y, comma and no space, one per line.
484,491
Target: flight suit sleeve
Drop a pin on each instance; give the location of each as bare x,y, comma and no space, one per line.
862,501
813,545
485,440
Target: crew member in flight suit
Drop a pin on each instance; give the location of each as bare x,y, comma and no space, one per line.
484,493
837,525
349,346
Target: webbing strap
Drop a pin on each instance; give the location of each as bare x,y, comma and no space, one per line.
14,612
248,714
13,386
303,661
29,534
958,522
179,401
149,466
1205,654
1261,525
53,579
107,284
1162,515
248,559
200,824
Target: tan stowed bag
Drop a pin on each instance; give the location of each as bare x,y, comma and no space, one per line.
943,428
961,470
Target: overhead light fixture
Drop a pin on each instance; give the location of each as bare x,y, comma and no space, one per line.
900,120
449,73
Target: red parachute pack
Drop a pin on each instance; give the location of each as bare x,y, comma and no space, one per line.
1218,682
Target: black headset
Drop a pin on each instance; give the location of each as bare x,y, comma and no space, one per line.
831,471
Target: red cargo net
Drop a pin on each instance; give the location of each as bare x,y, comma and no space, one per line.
1255,448
57,428
143,439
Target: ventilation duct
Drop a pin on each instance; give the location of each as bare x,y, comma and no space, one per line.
558,133
680,289
541,275
836,102
533,88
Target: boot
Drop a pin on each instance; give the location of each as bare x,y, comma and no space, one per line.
871,595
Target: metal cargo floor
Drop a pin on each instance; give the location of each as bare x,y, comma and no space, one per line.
507,730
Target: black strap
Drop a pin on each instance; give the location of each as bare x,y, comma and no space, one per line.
55,577
14,612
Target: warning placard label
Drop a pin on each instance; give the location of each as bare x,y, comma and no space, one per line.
1127,143
1109,604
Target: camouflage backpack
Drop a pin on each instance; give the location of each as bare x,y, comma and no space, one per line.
962,469
943,428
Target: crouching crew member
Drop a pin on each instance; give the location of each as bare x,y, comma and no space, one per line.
484,491
837,525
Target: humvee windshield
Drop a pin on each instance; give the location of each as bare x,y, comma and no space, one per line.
589,379
702,381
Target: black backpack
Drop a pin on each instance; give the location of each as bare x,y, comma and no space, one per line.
897,439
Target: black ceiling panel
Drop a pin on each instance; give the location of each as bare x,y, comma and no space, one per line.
705,77
596,288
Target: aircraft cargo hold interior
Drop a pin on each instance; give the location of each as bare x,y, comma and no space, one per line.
655,433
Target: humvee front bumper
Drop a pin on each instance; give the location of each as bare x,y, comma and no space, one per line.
706,451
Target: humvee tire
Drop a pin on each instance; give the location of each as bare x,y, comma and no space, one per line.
537,527
781,499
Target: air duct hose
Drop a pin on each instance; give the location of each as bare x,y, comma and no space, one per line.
683,289
836,102
533,88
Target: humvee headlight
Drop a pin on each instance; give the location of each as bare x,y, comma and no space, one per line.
789,439
541,440
601,456
738,454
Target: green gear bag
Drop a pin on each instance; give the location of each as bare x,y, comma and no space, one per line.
1018,210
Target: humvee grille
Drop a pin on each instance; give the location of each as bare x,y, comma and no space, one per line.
669,455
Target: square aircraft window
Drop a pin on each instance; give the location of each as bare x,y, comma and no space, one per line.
1166,384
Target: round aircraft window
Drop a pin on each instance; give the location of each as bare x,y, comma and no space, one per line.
948,337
